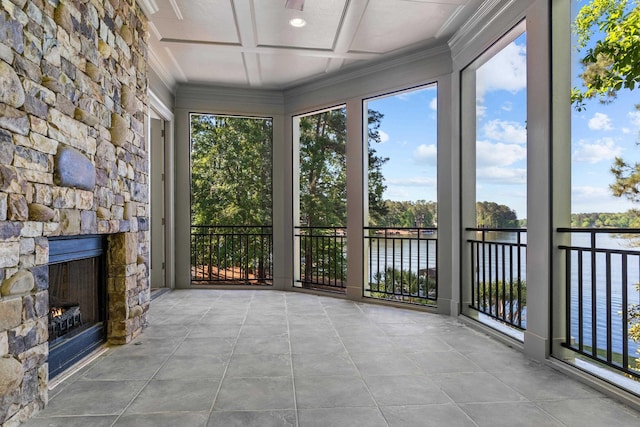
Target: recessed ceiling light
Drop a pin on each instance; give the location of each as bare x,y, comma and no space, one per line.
297,22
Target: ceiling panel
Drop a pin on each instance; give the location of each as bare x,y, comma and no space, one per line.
202,64
277,70
204,20
250,42
323,21
388,25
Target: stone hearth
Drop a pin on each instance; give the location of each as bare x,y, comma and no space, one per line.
73,161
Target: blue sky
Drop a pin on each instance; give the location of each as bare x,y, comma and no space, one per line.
409,139
599,133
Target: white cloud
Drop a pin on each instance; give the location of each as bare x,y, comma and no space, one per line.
489,154
586,199
505,176
602,149
507,106
600,121
506,131
626,131
481,110
507,70
635,118
434,104
408,188
425,153
384,137
417,181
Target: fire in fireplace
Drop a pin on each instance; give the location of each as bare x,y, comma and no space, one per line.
77,299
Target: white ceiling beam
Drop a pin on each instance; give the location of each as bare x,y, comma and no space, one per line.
176,9
273,50
149,7
346,32
246,26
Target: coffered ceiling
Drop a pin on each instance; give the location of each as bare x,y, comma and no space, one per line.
250,43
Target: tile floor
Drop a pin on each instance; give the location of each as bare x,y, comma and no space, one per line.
269,358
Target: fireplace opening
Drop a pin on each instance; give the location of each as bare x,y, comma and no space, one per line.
77,299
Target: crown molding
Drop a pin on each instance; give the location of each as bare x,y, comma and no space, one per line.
203,96
360,71
149,7
165,76
470,29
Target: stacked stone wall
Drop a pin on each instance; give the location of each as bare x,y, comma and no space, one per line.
73,160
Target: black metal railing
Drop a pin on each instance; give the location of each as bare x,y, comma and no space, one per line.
322,258
602,296
402,264
498,274
231,254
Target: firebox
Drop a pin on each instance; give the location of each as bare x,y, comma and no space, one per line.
77,299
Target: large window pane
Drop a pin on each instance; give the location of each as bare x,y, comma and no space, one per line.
322,200
231,202
400,240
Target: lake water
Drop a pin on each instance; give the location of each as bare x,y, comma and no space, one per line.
409,254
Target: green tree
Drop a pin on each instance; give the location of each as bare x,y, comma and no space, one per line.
493,215
230,170
612,62
323,187
609,36
323,168
420,213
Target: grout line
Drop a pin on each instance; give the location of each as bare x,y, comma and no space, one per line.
293,377
359,375
233,349
155,373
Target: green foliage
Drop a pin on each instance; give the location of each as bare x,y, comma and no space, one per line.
629,219
408,214
627,178
404,285
493,215
324,257
323,187
230,170
423,213
503,299
613,62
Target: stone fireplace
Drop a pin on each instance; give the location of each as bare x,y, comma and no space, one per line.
73,163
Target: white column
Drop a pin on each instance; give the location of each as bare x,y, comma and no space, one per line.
356,159
448,203
561,165
182,200
539,183
282,193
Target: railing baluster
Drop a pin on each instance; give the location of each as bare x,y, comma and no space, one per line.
581,299
625,314
594,314
395,266
231,254
608,307
497,281
609,271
